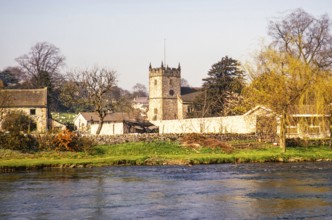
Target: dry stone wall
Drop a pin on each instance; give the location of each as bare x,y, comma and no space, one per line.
118,139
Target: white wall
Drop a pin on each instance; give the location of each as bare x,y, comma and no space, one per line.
80,123
241,124
108,128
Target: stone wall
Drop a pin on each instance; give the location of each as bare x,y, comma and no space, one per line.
155,109
40,116
170,108
118,139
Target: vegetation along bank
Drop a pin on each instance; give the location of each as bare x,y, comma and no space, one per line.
70,151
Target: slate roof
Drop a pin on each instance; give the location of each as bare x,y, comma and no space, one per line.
110,117
20,98
188,94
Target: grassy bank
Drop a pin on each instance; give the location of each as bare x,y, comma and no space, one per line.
160,153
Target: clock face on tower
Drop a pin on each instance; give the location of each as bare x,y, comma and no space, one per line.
171,92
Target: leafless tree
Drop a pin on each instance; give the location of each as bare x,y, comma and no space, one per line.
43,57
301,35
42,66
139,90
184,83
93,87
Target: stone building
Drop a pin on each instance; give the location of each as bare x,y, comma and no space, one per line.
164,89
167,100
32,102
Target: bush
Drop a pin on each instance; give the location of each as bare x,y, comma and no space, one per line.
298,142
18,121
45,141
19,142
69,141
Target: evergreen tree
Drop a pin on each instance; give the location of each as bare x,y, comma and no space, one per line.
222,86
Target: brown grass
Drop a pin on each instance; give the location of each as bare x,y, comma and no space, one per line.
196,141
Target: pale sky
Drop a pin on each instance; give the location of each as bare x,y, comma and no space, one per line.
126,35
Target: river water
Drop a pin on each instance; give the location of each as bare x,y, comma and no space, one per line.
234,191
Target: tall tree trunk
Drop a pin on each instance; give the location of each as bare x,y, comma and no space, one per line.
282,140
100,126
330,130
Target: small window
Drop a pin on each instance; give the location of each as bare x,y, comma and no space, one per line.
155,82
156,111
32,111
171,82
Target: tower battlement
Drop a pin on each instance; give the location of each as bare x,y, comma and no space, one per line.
165,71
164,89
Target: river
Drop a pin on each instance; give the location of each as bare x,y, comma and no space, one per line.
234,191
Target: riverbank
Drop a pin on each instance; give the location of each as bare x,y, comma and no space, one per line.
161,153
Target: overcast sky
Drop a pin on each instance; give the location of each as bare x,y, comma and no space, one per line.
126,35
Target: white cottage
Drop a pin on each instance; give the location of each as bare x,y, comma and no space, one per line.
89,121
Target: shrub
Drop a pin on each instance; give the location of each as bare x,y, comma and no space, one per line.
69,141
45,141
18,121
85,144
70,126
65,141
19,142
298,142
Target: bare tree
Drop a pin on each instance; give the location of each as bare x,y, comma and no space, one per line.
184,83
305,37
139,90
93,87
42,67
43,57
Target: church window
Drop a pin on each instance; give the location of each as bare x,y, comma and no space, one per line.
155,82
155,110
171,92
171,82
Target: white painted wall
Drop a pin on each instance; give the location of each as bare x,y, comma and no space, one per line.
80,123
241,124
108,128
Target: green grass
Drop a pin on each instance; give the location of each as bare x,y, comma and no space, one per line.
158,153
63,117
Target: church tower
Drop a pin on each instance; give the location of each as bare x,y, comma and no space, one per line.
164,89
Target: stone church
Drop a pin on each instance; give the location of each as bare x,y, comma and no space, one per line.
167,99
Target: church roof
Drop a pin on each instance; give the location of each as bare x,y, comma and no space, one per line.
188,94
19,98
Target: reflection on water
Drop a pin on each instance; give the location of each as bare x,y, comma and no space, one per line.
244,191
